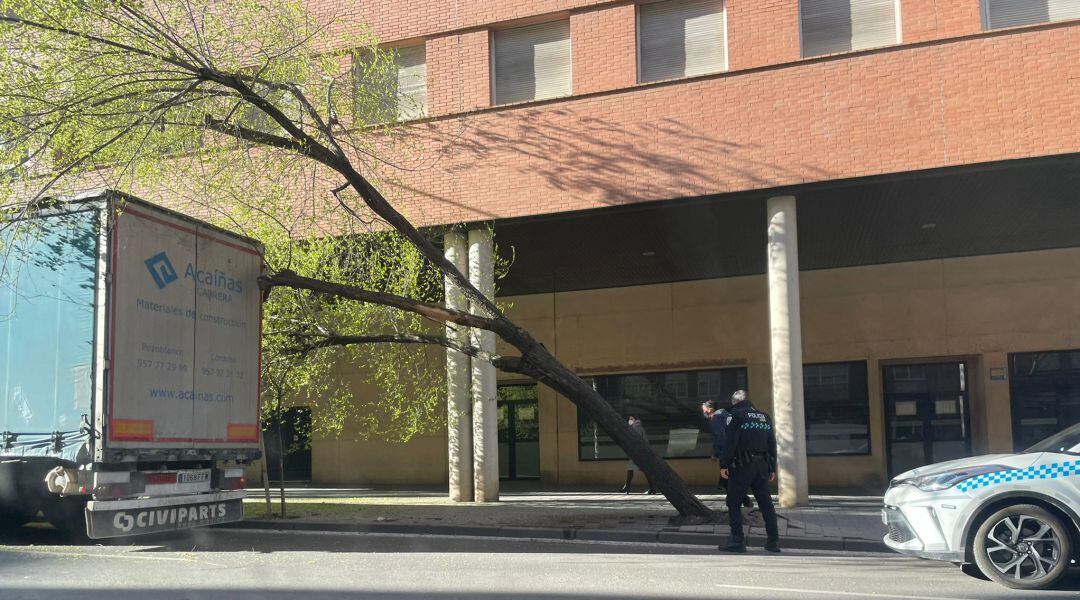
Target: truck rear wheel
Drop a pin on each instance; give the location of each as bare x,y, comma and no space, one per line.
68,516
10,522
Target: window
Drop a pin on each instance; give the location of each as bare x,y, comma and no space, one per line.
411,70
1045,390
532,63
669,406
1013,13
392,86
680,38
837,404
830,26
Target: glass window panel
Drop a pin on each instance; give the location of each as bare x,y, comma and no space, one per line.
680,38
1045,390
1014,13
532,62
392,85
830,26
837,406
669,406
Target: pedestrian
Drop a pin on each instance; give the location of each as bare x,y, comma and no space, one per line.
639,429
717,419
749,464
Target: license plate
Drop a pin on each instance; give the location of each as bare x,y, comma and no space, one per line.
193,477
106,523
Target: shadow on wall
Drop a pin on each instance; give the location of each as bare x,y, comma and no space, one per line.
501,157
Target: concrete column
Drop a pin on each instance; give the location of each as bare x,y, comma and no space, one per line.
785,325
458,378
485,426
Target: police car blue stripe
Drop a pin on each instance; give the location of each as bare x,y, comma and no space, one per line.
753,425
1050,471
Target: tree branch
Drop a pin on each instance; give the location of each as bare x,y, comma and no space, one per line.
251,135
503,363
15,20
432,311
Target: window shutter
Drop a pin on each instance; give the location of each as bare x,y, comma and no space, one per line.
375,88
681,38
532,63
830,26
411,82
1014,13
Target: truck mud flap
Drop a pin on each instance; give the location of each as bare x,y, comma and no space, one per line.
118,518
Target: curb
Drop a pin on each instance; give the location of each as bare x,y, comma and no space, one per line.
555,533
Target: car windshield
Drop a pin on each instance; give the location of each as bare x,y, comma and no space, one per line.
1064,441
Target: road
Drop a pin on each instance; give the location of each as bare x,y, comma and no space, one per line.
233,564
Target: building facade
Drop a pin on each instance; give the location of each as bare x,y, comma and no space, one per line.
625,154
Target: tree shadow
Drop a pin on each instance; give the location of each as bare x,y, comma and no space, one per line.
500,156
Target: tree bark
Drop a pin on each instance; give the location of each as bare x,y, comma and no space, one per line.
265,475
540,364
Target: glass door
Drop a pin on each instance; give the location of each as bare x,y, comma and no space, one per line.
519,432
927,416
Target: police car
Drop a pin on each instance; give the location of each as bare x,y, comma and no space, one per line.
1014,516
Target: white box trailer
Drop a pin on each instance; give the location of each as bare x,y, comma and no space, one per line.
129,367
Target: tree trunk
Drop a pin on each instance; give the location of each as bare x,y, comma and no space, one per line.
535,361
281,464
265,475
540,364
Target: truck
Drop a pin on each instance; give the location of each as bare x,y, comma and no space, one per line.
129,367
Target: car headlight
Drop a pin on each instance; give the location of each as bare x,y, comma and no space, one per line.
948,479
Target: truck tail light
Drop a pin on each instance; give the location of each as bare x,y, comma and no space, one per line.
110,491
160,478
233,483
229,478
109,485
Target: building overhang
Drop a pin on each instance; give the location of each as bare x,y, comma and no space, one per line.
1010,206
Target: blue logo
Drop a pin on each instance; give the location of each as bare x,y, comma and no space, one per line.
161,270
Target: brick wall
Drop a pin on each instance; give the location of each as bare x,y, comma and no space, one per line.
458,69
604,46
923,20
762,32
404,19
772,120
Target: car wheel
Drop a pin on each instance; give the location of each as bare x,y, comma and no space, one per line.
972,570
1023,547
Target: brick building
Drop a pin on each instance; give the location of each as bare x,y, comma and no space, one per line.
635,154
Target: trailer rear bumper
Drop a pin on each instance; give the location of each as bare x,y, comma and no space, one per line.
117,518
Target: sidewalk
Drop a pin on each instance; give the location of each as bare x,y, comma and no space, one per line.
843,523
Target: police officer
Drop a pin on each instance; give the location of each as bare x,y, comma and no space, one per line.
749,464
717,419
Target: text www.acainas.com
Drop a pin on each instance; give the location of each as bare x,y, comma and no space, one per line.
189,395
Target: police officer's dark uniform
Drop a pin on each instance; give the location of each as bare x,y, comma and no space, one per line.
750,457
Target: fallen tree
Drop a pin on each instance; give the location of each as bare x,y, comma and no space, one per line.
125,90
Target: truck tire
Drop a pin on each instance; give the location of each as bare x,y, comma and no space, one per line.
10,522
22,490
1024,547
68,516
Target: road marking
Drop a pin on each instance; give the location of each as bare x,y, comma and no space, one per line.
755,588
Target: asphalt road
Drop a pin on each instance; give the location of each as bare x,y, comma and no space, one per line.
314,566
